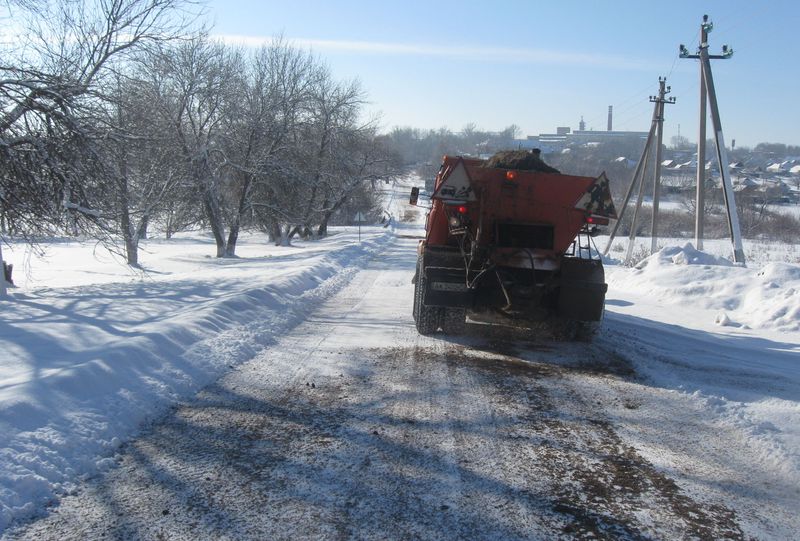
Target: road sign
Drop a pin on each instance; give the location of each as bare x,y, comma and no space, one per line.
359,218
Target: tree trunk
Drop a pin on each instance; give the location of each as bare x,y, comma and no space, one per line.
322,230
233,236
8,270
132,249
275,233
131,240
125,225
141,233
3,290
211,206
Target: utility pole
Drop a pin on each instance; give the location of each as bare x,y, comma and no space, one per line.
656,133
660,101
708,91
700,199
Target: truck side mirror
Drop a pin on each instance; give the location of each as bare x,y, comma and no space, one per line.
414,196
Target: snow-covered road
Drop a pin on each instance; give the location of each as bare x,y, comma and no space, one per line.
353,426
334,419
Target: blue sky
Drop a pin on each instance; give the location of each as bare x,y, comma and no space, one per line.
544,64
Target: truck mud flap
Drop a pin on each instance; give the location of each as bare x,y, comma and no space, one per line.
445,286
581,300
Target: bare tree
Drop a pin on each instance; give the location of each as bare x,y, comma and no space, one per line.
142,172
334,117
261,132
52,100
361,161
190,85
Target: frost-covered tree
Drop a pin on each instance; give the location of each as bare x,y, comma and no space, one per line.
261,125
143,177
361,161
334,118
53,82
191,85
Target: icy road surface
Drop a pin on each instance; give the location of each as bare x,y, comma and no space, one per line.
355,427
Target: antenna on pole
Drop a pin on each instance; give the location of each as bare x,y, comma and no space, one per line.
707,91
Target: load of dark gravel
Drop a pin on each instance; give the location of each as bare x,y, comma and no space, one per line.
527,160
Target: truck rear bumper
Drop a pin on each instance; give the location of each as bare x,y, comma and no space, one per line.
575,292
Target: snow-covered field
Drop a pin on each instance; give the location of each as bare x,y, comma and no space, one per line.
90,352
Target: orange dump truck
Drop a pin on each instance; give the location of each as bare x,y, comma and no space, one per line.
507,240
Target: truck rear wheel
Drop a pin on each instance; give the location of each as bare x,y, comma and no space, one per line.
427,318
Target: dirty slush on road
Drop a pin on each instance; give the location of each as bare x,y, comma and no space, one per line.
480,440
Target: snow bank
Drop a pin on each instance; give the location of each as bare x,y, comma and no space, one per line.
716,349
83,368
774,299
682,255
765,298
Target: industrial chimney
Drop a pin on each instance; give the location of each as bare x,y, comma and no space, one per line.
610,115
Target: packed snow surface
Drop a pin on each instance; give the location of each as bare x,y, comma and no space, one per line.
85,361
91,352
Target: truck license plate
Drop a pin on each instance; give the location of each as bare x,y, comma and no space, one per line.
448,286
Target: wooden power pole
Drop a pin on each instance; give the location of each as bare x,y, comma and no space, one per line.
707,91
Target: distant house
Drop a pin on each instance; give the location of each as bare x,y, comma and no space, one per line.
766,191
745,185
795,170
775,167
625,162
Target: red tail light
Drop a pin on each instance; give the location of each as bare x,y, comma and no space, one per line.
462,209
597,220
